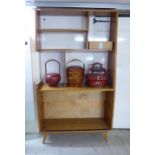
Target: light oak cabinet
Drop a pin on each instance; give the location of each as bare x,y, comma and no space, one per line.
69,109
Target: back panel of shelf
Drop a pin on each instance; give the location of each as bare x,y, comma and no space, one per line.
98,31
63,40
88,58
62,22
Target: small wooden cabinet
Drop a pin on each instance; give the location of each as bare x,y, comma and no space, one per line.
69,109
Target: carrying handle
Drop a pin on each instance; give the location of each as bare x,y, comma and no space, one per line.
96,67
50,61
73,60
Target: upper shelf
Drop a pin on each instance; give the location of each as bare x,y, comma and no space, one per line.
106,46
62,30
76,11
73,50
46,87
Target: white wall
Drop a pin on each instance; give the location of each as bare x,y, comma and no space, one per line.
31,73
29,93
122,98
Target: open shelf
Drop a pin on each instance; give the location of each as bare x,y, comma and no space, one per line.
62,30
75,124
74,50
46,87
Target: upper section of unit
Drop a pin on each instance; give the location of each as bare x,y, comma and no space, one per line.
118,4
85,1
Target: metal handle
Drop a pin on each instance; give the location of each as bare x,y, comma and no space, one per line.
50,61
104,21
96,64
92,68
77,61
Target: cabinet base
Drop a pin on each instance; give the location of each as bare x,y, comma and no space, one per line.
105,134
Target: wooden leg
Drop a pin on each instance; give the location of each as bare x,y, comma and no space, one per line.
106,135
44,137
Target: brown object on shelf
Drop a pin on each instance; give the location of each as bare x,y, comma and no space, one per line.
97,76
107,45
52,79
75,74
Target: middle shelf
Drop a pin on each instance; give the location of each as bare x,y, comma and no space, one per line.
46,87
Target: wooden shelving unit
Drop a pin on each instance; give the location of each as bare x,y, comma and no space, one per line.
70,109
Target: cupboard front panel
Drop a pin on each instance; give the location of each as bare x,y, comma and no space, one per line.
73,104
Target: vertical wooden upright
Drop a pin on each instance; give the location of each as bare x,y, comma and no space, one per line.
110,96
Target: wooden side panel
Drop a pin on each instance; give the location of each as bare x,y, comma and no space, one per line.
40,106
112,55
109,101
73,105
113,27
87,27
37,35
109,108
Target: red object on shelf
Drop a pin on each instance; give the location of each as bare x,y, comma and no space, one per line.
52,79
97,76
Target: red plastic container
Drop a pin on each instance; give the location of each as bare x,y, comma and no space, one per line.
52,79
97,76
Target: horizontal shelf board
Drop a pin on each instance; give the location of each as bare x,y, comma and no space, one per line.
62,30
75,124
57,11
73,50
76,131
46,87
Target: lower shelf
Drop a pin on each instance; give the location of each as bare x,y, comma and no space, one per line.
77,124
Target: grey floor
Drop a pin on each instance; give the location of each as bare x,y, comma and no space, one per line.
79,144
